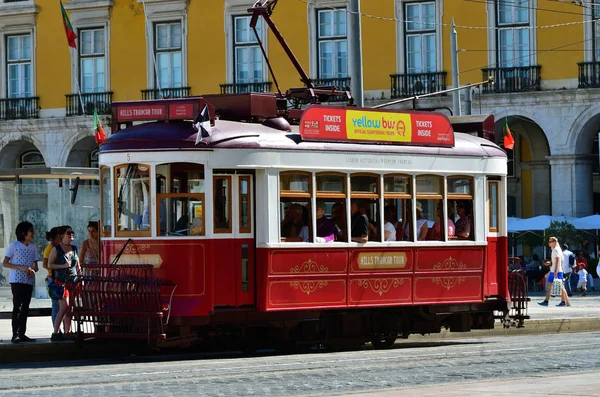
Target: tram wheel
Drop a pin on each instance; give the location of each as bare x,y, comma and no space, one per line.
383,342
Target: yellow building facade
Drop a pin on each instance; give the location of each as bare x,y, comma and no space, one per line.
542,55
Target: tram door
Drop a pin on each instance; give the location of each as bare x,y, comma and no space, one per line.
233,239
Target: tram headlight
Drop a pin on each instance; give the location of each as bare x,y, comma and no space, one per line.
165,307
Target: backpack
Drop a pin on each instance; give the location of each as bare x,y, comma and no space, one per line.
571,260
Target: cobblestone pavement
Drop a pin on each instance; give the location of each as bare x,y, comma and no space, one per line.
409,364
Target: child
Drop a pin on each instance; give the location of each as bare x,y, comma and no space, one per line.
582,283
21,258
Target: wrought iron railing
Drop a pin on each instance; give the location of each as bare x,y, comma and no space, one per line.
514,79
166,93
242,88
100,101
589,74
19,108
12,1
412,84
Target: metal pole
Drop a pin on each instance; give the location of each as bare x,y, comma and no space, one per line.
455,84
468,100
355,37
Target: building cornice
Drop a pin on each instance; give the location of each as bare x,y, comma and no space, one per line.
89,10
17,14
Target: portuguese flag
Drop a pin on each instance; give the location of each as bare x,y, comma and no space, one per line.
71,36
509,141
98,130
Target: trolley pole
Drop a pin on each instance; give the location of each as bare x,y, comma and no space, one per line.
356,84
455,83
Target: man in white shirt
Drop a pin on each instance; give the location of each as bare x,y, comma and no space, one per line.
568,270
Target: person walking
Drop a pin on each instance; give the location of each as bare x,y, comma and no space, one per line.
568,263
555,278
21,258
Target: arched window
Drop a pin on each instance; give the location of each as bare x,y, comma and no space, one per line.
33,159
93,159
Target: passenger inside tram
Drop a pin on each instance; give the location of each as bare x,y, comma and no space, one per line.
390,218
437,226
463,224
359,223
338,216
422,225
295,226
326,229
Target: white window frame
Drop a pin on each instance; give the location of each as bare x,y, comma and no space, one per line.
164,11
20,62
588,45
84,16
313,31
170,51
422,32
11,29
37,186
492,9
334,40
249,44
95,56
401,58
235,8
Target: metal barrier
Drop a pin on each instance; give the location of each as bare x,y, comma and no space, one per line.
517,288
120,302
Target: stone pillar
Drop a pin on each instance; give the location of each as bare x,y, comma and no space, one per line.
540,179
572,190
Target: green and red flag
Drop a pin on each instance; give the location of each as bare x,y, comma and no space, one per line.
71,36
509,141
98,130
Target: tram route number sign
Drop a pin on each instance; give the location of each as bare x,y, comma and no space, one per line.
323,123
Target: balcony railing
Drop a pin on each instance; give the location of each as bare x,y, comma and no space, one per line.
167,93
98,100
242,88
12,1
589,74
412,84
19,108
515,79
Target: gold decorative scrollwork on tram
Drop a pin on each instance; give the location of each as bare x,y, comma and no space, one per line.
448,282
449,264
381,285
133,248
308,287
309,266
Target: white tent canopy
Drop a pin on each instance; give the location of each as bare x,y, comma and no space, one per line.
587,223
541,222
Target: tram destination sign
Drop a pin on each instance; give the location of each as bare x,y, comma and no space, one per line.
323,123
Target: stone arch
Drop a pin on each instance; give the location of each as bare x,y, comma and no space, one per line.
11,152
76,143
529,187
584,161
80,152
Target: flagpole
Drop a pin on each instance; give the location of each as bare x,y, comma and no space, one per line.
153,54
77,81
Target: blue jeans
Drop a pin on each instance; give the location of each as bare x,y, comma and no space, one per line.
54,311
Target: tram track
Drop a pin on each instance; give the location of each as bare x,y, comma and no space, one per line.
317,365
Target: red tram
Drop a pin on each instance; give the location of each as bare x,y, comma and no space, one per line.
233,218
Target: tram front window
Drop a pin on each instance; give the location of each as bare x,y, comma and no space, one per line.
133,200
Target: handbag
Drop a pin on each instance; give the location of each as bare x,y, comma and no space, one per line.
55,290
557,286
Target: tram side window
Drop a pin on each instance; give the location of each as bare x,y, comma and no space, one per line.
222,204
429,209
107,208
331,208
133,199
180,196
493,205
460,201
295,197
364,197
397,207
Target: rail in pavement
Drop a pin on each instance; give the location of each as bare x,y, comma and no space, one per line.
583,315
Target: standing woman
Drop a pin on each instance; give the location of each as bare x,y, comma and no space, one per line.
64,263
90,248
555,279
21,258
53,239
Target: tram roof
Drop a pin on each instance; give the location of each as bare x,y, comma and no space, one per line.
277,135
